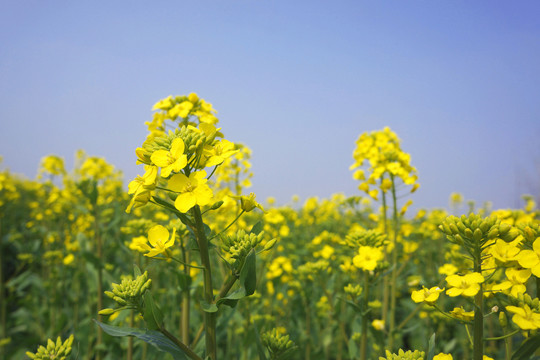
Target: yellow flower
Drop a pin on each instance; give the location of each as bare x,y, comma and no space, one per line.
193,190
461,314
503,251
448,269
368,257
443,356
530,259
220,151
173,160
248,203
428,296
158,237
516,280
467,285
182,110
524,317
378,324
163,104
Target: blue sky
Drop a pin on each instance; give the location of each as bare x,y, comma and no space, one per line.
296,81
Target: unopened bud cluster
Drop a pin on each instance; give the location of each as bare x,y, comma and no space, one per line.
525,299
473,231
309,269
279,345
402,355
129,292
530,232
371,238
55,350
194,141
239,245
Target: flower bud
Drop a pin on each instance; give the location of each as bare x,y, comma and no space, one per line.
503,320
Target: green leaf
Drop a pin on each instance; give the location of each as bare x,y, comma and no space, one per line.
248,274
527,348
210,308
184,280
232,299
154,338
431,348
260,347
136,271
152,314
257,228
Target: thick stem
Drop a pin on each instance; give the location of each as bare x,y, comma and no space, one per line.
478,329
393,283
209,318
99,251
181,345
129,355
363,340
184,320
385,281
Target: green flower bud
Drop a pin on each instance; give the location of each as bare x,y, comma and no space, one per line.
503,320
477,235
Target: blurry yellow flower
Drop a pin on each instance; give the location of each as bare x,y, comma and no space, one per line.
530,259
218,152
443,356
172,160
426,295
461,314
158,237
448,269
248,203
163,104
503,251
193,190
182,110
516,280
69,259
524,317
368,257
467,285
378,324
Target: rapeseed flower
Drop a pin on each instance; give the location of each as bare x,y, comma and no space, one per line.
524,317
530,259
193,190
158,237
172,160
426,295
368,257
467,285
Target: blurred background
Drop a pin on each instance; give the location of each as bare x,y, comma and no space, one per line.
295,81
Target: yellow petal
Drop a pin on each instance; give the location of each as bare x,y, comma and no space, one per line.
157,234
185,201
160,158
178,182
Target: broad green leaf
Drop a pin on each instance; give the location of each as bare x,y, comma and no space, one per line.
154,338
210,308
248,274
257,228
527,348
431,347
152,314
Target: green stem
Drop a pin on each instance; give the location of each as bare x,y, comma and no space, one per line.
181,345
363,340
393,283
184,322
228,226
99,279
503,336
209,318
385,281
478,329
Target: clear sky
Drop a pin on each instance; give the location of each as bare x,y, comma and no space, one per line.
296,81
